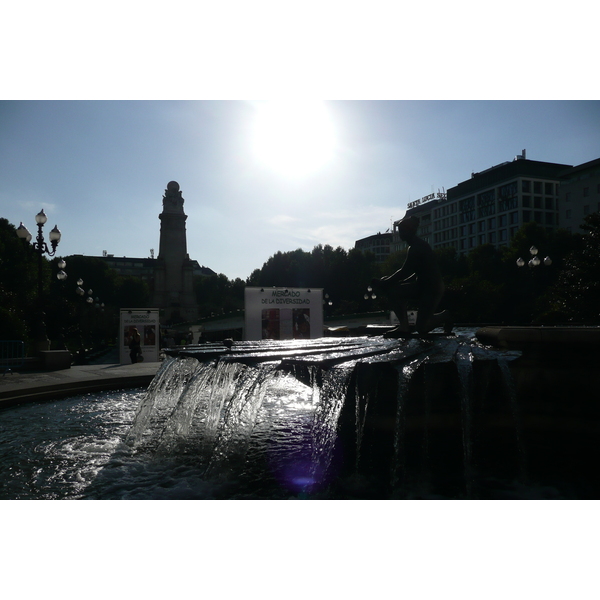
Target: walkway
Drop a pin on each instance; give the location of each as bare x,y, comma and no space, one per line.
16,388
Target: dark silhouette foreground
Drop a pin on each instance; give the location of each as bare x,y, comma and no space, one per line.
419,282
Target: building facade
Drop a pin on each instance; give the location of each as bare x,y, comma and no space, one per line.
143,268
379,244
491,206
579,194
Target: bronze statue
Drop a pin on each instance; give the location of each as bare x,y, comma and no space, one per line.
418,280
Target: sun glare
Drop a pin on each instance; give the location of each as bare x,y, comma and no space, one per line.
293,138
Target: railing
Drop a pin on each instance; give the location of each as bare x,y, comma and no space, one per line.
12,355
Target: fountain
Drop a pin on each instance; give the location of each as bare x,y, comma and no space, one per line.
434,416
362,417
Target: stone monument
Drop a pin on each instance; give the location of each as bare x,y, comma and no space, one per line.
173,272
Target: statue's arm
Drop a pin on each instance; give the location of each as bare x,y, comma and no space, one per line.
405,273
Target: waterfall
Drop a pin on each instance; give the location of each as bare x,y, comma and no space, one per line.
405,374
275,419
325,423
509,386
464,364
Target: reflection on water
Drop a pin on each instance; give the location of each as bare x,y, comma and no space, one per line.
56,449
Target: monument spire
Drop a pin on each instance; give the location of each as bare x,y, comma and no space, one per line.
173,273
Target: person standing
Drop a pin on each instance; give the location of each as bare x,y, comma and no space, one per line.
135,345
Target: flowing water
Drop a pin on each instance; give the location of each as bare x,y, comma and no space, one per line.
220,429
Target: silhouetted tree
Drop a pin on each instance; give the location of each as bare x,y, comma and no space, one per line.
18,284
576,294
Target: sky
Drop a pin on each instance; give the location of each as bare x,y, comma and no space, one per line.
258,177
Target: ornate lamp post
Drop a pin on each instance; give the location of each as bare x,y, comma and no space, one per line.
42,342
534,261
370,294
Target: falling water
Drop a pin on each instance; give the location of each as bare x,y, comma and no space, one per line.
464,364
509,386
324,431
405,374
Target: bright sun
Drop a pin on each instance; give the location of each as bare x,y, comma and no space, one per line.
293,138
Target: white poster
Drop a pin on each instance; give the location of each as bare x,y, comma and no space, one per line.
141,324
283,313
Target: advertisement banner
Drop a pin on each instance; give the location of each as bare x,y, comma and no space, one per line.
283,313
139,335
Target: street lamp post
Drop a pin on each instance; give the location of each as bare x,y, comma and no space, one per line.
42,342
534,282
534,261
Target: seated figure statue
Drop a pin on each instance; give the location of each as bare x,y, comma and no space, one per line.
418,280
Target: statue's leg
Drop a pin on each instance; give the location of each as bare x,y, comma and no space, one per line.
428,319
399,297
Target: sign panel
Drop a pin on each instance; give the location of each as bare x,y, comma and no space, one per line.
145,322
283,313
440,196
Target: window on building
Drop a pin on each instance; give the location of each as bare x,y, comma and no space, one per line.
568,197
503,235
549,203
537,187
549,219
514,217
472,229
503,221
525,186
463,230
526,216
492,223
537,216
527,201
481,226
537,202
472,242
568,213
482,239
549,189
492,237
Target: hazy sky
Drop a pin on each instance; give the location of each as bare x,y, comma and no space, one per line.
260,177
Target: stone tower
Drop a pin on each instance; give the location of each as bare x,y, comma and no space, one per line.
173,272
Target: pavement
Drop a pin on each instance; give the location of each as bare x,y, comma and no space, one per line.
105,374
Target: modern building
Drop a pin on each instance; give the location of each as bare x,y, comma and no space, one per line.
379,244
491,206
579,194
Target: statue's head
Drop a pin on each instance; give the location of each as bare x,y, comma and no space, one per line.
173,186
407,227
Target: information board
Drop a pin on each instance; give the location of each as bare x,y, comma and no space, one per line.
283,313
146,322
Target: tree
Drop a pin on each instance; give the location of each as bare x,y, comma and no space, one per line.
19,284
576,295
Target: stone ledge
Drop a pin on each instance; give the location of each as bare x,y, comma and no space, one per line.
513,337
